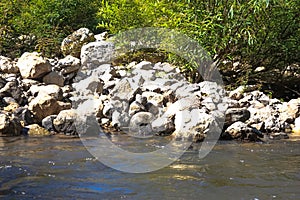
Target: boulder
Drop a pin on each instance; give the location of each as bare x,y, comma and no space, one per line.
25,84
154,98
183,104
120,120
24,115
33,65
135,107
36,130
166,67
272,125
68,65
65,122
163,125
209,104
54,78
192,124
9,125
47,122
89,85
259,113
237,94
44,105
72,44
290,110
52,90
140,124
12,89
96,53
240,130
125,91
209,88
8,66
233,115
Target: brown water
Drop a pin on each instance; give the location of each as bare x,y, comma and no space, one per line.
56,168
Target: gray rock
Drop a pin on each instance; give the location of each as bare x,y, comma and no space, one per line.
166,67
125,91
141,99
290,110
24,115
240,130
65,122
68,65
88,86
209,104
33,65
54,78
209,88
272,125
163,125
73,43
278,136
233,115
9,125
96,53
25,84
47,122
69,78
12,89
296,127
154,98
44,105
120,120
8,66
51,90
140,124
2,82
259,113
155,110
9,100
135,107
183,104
192,124
237,94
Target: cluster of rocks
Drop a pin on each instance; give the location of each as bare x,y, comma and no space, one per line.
42,96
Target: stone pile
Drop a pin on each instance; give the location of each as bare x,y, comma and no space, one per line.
41,96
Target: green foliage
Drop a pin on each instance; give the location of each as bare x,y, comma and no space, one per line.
48,20
255,32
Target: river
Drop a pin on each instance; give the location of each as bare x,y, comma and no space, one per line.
60,168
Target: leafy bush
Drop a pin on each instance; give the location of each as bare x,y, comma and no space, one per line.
48,20
257,33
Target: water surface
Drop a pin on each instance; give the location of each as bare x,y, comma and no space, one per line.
59,168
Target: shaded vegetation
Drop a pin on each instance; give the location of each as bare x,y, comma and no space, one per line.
45,22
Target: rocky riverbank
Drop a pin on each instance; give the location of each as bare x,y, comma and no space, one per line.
41,96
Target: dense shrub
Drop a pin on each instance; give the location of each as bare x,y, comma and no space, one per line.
257,33
48,20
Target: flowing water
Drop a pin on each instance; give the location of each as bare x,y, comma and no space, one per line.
60,168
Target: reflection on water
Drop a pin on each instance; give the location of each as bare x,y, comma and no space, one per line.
47,168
